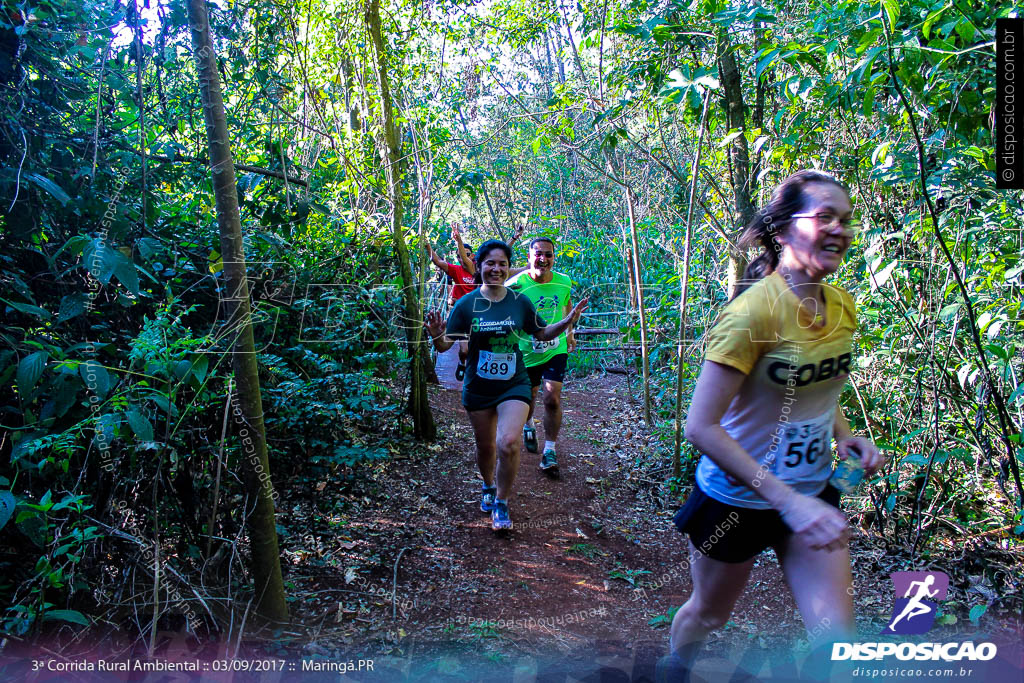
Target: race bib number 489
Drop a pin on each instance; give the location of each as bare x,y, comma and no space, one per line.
805,447
496,365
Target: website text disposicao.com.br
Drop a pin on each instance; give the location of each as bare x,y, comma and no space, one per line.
947,653
910,672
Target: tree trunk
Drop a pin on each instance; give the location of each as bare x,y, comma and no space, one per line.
638,279
266,563
684,290
423,420
739,155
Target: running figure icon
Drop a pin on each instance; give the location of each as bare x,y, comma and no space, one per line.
915,607
917,598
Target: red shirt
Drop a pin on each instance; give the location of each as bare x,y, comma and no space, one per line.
464,282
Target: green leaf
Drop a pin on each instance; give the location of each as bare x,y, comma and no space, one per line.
32,523
976,612
998,351
100,259
125,271
200,367
947,312
7,503
930,20
50,186
765,62
182,368
96,377
140,425
148,247
892,12
68,615
71,306
28,309
30,369
869,101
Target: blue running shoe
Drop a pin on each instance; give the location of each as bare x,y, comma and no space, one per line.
530,439
499,517
487,499
548,462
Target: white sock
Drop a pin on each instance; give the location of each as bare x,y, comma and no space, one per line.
549,445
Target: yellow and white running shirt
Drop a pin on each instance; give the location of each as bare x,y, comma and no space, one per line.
796,368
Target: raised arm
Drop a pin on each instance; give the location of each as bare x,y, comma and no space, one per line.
460,249
438,261
434,322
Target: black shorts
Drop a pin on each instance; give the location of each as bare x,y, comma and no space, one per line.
728,533
553,370
517,392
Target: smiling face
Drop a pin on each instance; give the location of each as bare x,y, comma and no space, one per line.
810,243
542,257
494,269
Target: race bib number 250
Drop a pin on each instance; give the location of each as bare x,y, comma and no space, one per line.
496,365
542,346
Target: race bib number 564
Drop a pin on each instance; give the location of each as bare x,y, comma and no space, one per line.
496,365
805,447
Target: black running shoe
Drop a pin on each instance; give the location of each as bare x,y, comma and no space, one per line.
670,669
530,439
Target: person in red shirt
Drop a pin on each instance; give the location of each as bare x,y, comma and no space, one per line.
462,276
450,366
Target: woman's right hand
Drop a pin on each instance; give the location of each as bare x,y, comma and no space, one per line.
821,524
434,323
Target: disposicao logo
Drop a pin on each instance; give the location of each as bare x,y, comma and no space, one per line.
917,598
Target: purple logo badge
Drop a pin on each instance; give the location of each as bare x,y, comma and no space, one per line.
917,597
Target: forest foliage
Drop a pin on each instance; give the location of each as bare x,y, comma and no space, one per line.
577,120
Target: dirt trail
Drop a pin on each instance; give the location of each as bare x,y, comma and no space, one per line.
564,584
420,581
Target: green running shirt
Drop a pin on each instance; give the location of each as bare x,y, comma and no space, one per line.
550,300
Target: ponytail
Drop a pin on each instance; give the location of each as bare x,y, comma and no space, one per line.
762,230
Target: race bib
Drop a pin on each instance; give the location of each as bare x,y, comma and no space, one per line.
496,365
805,447
543,346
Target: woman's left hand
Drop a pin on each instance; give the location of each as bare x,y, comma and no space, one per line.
870,457
577,310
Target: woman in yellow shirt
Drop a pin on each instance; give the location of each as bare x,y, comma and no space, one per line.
764,412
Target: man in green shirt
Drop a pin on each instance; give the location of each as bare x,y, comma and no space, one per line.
545,361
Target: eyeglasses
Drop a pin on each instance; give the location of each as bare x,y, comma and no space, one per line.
830,220
548,254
